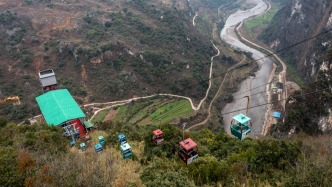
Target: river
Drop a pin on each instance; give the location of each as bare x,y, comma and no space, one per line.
257,96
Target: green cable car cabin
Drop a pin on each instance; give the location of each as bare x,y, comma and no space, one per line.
125,150
101,140
241,126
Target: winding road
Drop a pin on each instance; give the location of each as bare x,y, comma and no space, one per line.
262,76
228,35
123,102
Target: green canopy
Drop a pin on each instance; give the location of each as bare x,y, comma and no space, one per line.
88,124
58,106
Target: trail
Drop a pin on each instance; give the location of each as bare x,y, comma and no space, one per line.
194,19
284,66
123,102
265,66
282,73
216,95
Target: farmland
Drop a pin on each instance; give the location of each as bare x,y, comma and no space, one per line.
153,111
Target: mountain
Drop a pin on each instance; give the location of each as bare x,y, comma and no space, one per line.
101,50
308,63
295,22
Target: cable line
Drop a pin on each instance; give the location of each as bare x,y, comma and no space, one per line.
240,66
317,91
268,55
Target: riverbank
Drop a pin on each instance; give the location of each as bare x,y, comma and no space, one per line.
250,85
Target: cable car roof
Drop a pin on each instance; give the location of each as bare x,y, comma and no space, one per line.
241,118
121,136
125,146
188,144
157,132
98,146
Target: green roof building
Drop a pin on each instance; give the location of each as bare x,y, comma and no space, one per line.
58,106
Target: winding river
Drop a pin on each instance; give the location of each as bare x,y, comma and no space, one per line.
258,95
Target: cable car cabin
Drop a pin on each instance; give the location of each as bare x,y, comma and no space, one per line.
122,139
48,80
98,148
188,152
83,146
125,150
101,140
158,137
241,126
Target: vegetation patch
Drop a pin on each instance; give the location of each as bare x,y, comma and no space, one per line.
261,20
171,111
159,110
100,116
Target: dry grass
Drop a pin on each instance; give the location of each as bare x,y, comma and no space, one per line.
111,161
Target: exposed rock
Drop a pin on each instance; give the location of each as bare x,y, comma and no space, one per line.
298,21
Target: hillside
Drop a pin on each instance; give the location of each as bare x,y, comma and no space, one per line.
101,50
121,50
38,155
299,20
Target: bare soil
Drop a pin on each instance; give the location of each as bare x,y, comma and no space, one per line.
292,87
110,115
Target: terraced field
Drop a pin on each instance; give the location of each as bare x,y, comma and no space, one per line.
100,116
159,110
171,111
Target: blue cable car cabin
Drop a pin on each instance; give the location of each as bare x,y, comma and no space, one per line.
125,150
122,139
241,126
98,148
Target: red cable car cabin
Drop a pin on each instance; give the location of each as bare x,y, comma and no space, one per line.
188,152
158,137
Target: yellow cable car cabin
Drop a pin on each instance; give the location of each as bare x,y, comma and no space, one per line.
241,126
158,137
188,152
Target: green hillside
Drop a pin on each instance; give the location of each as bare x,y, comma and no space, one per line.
38,155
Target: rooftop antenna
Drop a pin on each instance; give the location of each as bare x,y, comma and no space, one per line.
183,126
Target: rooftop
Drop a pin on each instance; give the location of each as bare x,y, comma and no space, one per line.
157,132
125,146
188,144
58,106
241,118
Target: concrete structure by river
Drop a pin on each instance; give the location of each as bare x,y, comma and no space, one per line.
257,96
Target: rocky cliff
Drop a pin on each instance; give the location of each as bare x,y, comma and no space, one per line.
295,22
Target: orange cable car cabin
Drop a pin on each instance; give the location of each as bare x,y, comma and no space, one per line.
188,152
158,137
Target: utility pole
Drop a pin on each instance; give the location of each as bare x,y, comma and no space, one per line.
247,104
183,126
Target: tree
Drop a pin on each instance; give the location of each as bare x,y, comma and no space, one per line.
3,122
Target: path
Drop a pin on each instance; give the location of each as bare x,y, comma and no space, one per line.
216,95
259,95
268,113
123,102
194,19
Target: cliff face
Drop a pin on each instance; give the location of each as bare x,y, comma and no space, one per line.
295,22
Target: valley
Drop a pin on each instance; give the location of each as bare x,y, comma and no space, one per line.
152,93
